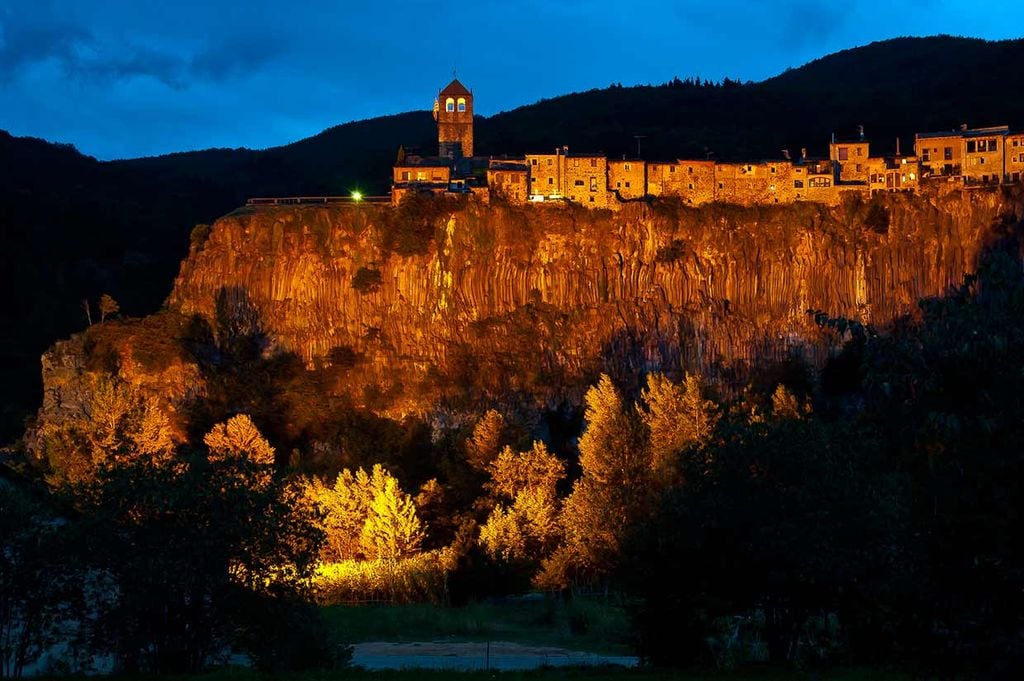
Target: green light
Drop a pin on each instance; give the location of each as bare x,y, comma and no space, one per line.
357,195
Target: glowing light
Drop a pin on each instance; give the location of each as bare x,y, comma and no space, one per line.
357,195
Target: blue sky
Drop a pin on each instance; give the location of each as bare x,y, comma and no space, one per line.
126,78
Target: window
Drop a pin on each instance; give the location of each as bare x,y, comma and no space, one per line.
449,104
593,163
798,184
462,103
860,151
420,175
533,161
593,183
773,169
579,183
690,186
858,167
671,169
913,176
575,163
947,153
819,182
618,185
771,187
924,156
721,185
591,199
627,185
689,169
844,154
549,161
970,146
405,175
626,167
551,180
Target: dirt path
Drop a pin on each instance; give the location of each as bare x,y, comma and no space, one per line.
501,655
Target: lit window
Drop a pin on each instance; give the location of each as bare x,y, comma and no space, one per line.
844,153
627,167
575,163
449,104
462,104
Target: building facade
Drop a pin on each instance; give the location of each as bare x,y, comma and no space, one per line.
968,156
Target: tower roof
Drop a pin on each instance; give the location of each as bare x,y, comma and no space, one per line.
455,88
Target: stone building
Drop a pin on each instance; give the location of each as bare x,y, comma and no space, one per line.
850,159
968,156
453,111
627,178
941,153
1015,157
509,179
893,174
748,184
585,179
983,155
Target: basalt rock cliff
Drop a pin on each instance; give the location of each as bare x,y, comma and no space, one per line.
403,310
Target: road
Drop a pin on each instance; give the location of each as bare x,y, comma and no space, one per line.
502,655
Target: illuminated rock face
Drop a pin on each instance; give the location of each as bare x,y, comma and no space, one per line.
541,299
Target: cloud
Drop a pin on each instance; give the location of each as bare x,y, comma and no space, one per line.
236,57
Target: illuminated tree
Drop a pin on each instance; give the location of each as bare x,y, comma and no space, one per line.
614,490
365,515
239,437
108,306
528,529
534,470
108,422
485,443
785,404
677,417
391,530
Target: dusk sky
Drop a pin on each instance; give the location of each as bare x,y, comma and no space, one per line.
125,78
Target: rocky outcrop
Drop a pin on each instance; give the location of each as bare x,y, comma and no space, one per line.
572,290
534,302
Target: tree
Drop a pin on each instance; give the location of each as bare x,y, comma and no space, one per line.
38,591
107,421
677,417
179,553
365,515
526,530
392,530
485,443
612,494
239,437
108,306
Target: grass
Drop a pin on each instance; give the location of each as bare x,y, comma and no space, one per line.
582,624
563,674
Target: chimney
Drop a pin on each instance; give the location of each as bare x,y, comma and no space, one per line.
860,131
963,127
785,154
803,153
833,138
897,146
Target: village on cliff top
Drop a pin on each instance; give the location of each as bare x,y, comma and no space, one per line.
967,157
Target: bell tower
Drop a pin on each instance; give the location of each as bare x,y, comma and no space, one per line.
453,111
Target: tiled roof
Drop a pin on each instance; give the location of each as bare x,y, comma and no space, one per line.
455,88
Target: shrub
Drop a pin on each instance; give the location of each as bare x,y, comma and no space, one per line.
366,280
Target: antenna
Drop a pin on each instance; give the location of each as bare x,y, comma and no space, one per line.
638,138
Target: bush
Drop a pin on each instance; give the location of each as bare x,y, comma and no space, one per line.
419,578
366,280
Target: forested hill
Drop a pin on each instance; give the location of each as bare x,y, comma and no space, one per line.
74,228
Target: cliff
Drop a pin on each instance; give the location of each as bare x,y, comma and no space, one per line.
400,310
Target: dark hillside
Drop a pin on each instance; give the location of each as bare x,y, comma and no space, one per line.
74,228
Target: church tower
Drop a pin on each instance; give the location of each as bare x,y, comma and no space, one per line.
453,111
